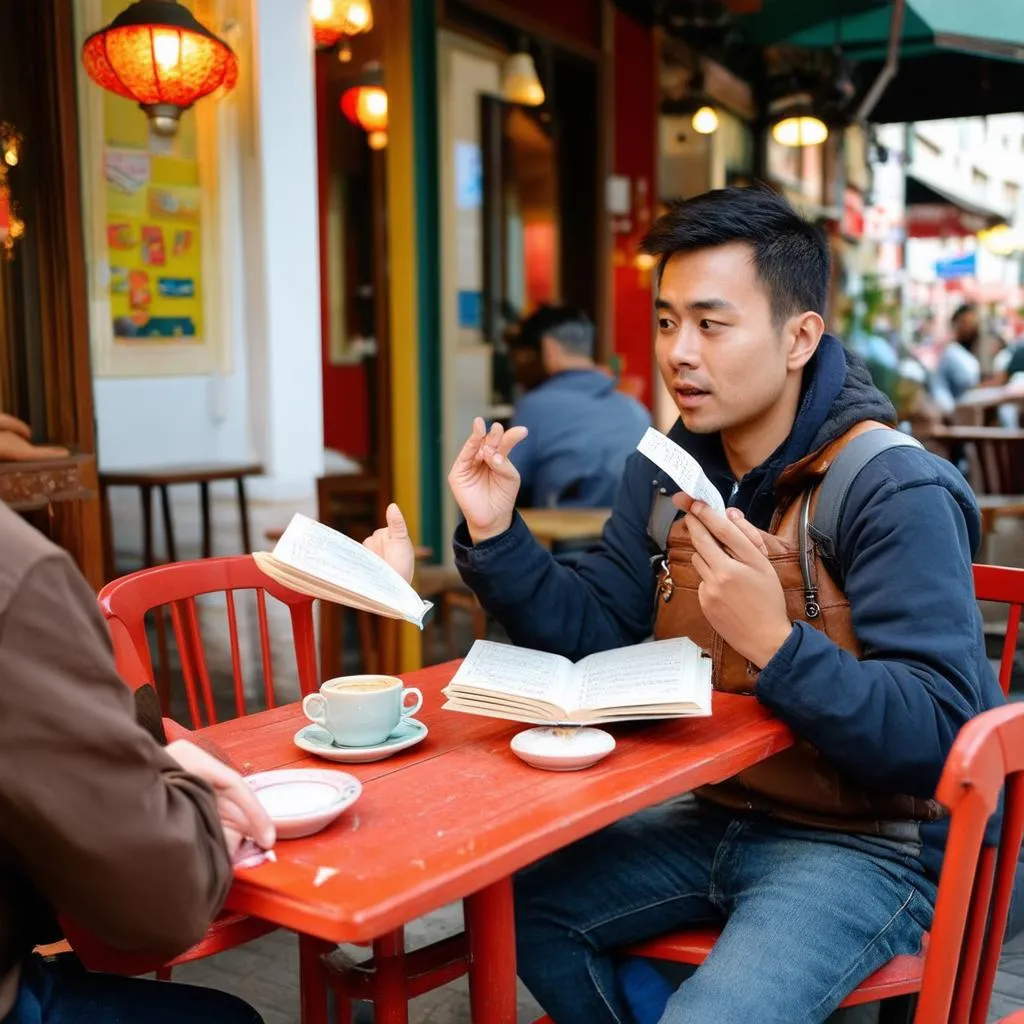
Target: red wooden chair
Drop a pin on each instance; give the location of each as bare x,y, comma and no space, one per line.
391,977
904,975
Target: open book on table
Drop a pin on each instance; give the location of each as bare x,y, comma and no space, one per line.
316,560
664,679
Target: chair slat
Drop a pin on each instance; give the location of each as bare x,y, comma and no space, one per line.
236,656
1009,647
184,653
1006,875
268,667
199,652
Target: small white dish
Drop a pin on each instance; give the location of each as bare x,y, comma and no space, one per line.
562,749
301,801
315,739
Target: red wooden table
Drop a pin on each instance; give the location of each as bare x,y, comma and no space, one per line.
456,816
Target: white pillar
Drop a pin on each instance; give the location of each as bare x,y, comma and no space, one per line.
282,252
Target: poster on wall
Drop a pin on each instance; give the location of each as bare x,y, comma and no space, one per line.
151,207
154,248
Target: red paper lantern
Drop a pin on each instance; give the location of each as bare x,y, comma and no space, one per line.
156,53
367,106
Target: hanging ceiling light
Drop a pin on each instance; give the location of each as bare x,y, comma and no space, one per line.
704,120
156,53
337,21
520,82
705,117
367,106
795,122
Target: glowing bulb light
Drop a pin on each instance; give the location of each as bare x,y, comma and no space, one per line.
705,120
802,130
367,106
520,82
335,20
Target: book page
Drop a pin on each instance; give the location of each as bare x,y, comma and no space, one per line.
347,564
664,672
682,467
502,668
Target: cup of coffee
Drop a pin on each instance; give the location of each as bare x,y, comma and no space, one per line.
361,711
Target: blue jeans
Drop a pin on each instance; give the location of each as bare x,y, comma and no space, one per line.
807,915
63,992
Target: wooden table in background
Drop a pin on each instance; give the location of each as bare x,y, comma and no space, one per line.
978,406
162,477
456,816
564,525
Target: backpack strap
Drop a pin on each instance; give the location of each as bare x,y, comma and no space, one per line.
659,523
835,487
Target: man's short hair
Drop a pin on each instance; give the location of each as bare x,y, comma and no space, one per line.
570,327
962,311
791,255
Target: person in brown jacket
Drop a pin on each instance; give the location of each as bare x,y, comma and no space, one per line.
98,822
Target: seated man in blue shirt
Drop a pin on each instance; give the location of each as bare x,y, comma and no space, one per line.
581,430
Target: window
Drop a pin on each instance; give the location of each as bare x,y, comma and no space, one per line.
1011,195
979,180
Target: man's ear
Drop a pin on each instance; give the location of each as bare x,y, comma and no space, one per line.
803,335
550,354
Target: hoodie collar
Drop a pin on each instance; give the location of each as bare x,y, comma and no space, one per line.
838,392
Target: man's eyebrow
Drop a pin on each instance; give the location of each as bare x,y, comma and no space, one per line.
710,306
697,306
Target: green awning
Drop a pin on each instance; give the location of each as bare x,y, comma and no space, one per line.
987,28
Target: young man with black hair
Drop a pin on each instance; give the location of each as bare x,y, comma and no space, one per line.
820,864
580,428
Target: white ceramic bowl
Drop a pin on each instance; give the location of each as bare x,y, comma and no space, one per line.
301,801
562,749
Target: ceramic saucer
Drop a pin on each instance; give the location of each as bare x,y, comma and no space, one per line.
562,749
301,801
316,740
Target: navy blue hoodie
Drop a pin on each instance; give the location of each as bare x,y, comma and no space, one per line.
909,529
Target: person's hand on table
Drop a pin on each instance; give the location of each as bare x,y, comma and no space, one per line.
393,544
484,482
740,593
241,814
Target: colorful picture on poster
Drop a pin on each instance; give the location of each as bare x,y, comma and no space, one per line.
176,287
153,252
182,243
121,236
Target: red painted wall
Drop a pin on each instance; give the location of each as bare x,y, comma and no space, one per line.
636,126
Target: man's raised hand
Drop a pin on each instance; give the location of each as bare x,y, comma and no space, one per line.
484,482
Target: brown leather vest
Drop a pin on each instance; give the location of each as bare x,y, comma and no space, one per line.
798,785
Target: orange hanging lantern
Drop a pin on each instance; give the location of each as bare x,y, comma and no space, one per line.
156,53
367,106
337,21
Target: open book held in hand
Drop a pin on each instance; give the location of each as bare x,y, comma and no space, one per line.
664,679
316,560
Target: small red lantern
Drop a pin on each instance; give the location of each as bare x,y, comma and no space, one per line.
156,53
367,106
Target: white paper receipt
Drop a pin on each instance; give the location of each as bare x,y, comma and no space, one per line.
682,467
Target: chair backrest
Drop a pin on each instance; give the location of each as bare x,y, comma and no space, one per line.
977,879
1003,585
126,602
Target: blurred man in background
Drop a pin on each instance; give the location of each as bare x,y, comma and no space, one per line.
581,429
